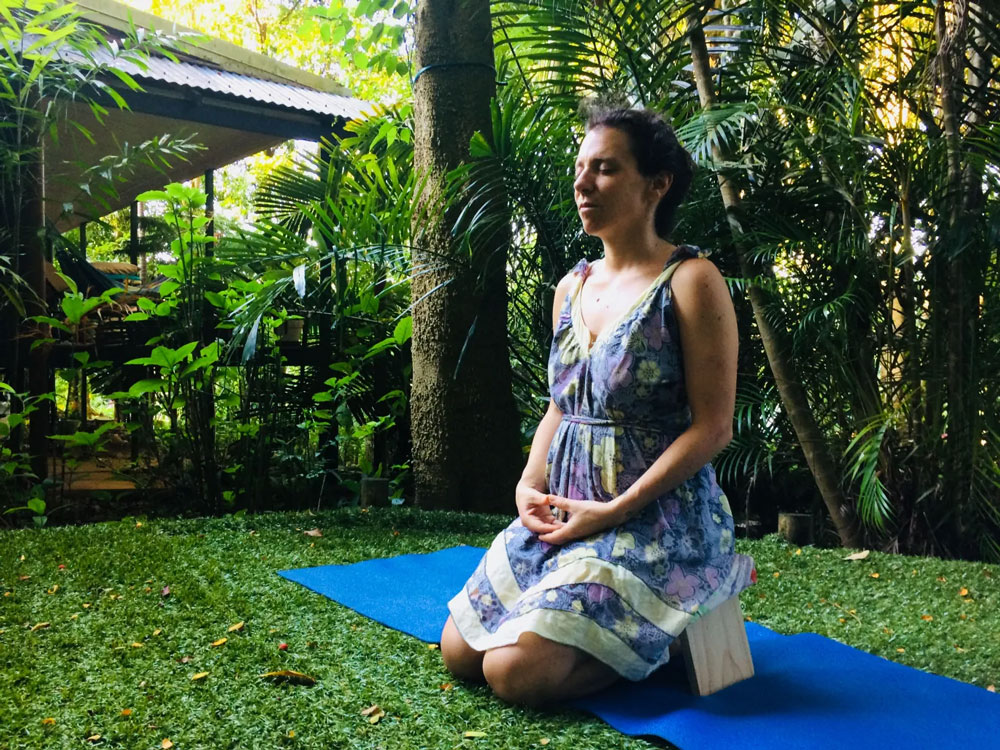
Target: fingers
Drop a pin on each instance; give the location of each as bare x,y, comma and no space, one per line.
563,503
538,525
557,536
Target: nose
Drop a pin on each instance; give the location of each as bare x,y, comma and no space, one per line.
584,181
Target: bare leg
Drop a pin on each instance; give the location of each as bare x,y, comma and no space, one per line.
536,670
460,658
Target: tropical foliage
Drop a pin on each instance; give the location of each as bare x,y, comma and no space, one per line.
860,136
858,144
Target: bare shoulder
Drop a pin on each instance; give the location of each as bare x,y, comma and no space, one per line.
696,272
698,280
700,291
562,289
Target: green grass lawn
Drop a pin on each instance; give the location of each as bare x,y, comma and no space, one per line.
117,656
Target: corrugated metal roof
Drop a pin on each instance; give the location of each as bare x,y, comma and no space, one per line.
206,78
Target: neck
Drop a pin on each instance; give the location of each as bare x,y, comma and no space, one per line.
634,249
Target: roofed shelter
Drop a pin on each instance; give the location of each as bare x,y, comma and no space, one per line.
237,102
233,102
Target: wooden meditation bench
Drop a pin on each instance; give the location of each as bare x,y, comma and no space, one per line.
715,648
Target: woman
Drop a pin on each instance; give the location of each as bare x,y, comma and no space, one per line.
642,376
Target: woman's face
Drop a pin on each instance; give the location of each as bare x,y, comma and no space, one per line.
612,197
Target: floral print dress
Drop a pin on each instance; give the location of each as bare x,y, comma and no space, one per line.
624,594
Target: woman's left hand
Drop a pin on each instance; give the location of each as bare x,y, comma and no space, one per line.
583,518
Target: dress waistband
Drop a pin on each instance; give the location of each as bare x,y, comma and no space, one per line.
667,428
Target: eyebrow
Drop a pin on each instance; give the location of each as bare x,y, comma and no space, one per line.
599,161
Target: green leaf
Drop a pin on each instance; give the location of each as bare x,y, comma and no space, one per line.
403,330
147,386
479,147
153,195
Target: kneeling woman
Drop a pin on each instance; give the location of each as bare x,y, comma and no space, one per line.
642,377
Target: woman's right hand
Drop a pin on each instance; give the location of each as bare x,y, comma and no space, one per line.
534,509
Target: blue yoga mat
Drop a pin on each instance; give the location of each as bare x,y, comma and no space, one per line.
808,691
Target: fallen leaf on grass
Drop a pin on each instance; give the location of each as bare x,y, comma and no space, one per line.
432,647
926,618
446,686
963,591
23,578
126,712
165,591
86,605
874,575
234,628
473,734
219,642
39,626
858,555
991,688
199,676
287,675
313,532
157,632
543,741
54,589
48,722
184,659
93,738
166,744
136,644
374,713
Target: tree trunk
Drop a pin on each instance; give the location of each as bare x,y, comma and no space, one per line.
464,423
793,396
958,273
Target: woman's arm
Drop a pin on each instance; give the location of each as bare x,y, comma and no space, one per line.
709,341
532,501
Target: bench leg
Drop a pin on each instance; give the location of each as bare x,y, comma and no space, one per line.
715,649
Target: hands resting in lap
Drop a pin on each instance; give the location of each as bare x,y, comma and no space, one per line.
577,518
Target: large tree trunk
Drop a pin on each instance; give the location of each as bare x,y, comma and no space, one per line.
793,396
466,451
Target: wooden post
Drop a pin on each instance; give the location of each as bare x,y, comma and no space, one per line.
328,436
133,235
33,271
374,492
796,528
210,211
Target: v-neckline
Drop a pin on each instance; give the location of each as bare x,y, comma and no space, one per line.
585,337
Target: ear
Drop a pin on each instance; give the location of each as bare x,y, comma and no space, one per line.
661,184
